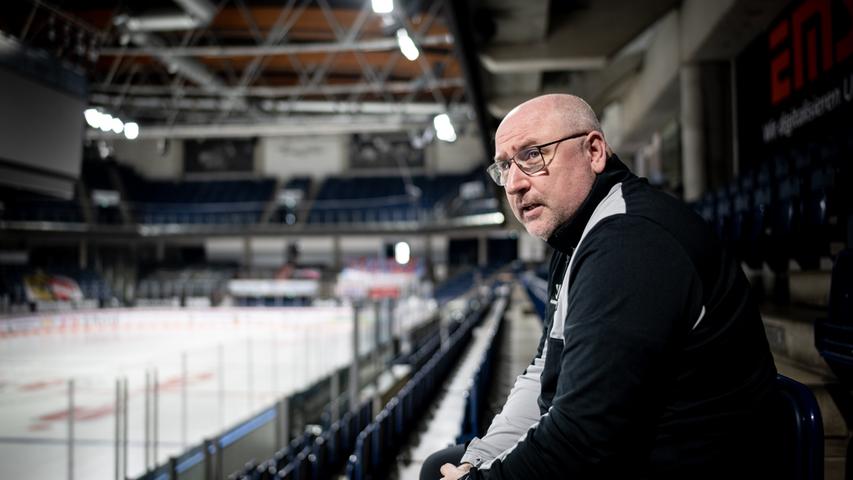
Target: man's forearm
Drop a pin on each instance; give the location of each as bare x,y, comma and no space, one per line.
518,414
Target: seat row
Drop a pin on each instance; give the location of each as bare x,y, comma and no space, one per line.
377,445
321,453
834,332
339,200
537,290
314,455
788,208
474,422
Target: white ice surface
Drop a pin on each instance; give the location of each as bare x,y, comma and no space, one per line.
238,362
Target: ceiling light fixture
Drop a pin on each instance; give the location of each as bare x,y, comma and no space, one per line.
407,45
105,122
93,117
402,253
382,6
131,130
117,125
444,128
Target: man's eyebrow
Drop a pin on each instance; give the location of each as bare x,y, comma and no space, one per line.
526,142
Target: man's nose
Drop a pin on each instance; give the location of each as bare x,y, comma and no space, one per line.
516,181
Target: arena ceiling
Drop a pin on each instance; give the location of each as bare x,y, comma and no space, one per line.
200,68
240,68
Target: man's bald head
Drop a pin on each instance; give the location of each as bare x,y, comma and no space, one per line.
571,112
565,136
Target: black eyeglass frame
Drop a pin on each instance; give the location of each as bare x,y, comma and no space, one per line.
495,171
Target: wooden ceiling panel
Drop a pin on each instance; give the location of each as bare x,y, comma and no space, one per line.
311,24
344,63
152,87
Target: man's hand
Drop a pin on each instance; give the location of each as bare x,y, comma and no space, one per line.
450,471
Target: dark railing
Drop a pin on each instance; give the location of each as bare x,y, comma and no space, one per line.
474,422
378,444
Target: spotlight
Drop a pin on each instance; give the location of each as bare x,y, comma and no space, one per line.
117,125
93,117
443,128
131,130
402,253
382,6
407,45
106,122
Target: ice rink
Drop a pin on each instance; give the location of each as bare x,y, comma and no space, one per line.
214,368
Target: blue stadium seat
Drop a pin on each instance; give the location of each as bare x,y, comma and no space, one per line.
834,334
826,205
786,218
761,209
473,422
802,432
723,218
741,227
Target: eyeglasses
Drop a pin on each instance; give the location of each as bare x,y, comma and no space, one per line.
529,160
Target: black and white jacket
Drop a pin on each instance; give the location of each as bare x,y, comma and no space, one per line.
653,360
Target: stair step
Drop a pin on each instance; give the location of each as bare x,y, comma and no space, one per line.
790,332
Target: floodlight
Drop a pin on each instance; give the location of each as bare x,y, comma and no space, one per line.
407,45
382,6
131,130
444,128
402,253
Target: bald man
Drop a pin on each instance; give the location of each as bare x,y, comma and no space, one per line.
653,362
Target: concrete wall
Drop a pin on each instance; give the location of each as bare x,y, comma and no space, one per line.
460,156
316,157
148,158
286,157
657,82
269,252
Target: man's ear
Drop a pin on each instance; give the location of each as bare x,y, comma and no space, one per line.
598,151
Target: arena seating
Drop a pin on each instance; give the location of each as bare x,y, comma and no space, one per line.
98,175
299,459
378,200
91,284
474,423
313,455
802,432
834,333
196,202
456,285
365,441
789,208
12,284
339,200
289,214
378,444
185,282
537,290
25,206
